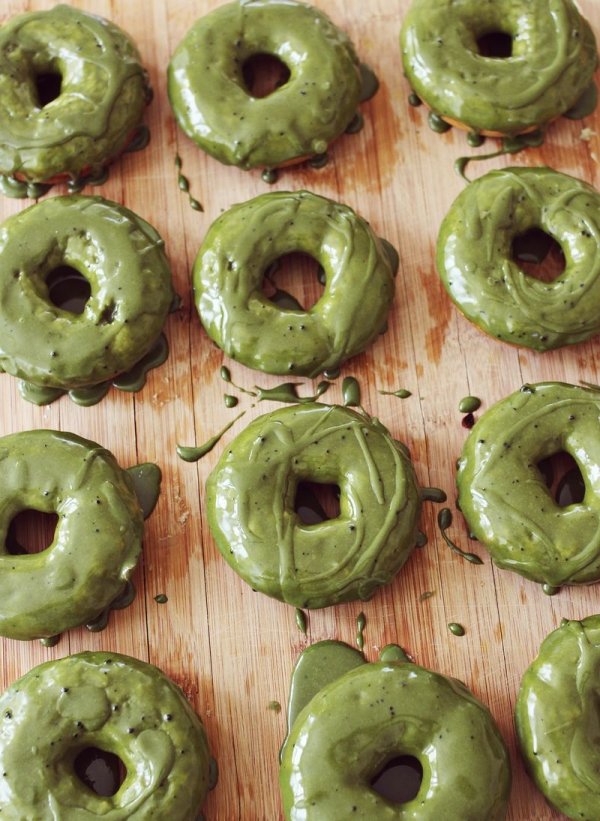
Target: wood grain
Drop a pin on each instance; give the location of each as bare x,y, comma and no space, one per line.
230,649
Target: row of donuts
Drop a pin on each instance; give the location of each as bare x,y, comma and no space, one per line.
73,89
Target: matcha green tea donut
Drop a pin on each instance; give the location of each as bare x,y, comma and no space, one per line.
97,540
476,263
299,119
111,703
545,65
235,255
557,715
72,96
251,505
503,494
375,713
122,258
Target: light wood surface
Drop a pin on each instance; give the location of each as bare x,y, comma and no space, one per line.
232,650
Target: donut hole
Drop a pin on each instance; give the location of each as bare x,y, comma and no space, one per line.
317,502
497,45
68,289
263,74
538,255
48,85
563,478
101,771
399,780
294,281
30,531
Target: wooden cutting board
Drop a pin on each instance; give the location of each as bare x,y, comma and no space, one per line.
232,650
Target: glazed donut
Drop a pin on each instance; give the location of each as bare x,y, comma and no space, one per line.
251,495
550,65
216,110
476,264
356,724
504,498
237,251
101,92
111,703
119,254
97,540
556,718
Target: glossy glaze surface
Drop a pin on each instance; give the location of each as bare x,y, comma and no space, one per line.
551,65
214,107
113,703
556,715
251,494
368,714
476,262
103,93
96,543
122,258
503,494
230,268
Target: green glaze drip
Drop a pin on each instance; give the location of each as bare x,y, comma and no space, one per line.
456,629
123,600
135,379
287,393
225,373
369,83
549,590
270,175
444,521
392,255
230,401
184,186
319,160
414,100
300,617
585,105
401,393
193,454
86,397
50,641
351,392
393,653
474,139
139,141
317,666
97,177
433,494
161,598
510,145
437,124
427,594
361,622
421,539
146,478
331,373
16,189
213,773
356,124
275,706
38,395
469,404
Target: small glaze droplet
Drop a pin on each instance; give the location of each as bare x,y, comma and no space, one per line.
427,594
361,622
474,139
456,629
433,494
549,590
193,454
146,480
270,175
230,401
161,598
444,521
401,393
356,124
351,392
300,617
370,83
331,373
275,706
319,160
184,186
421,539
469,404
437,124
414,100
50,641
225,374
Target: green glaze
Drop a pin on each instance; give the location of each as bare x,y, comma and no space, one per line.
300,618
50,641
97,540
120,602
361,623
114,703
193,454
275,706
456,629
230,400
469,404
239,248
287,392
392,652
475,258
427,594
351,392
251,497
161,598
103,94
122,258
444,520
300,118
433,494
557,718
585,105
184,185
505,499
508,145
552,63
134,379
360,720
401,393
146,478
